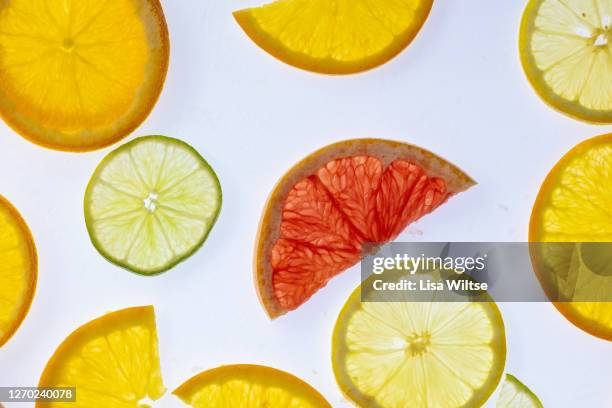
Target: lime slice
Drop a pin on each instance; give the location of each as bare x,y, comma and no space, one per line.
151,204
515,394
418,354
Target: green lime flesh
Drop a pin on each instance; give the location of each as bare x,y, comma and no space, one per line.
515,394
151,204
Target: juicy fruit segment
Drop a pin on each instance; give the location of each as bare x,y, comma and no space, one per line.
66,81
572,206
112,361
515,394
248,386
566,53
418,354
18,270
338,37
151,203
324,210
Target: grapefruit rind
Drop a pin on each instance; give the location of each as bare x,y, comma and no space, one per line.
258,379
30,247
269,227
279,50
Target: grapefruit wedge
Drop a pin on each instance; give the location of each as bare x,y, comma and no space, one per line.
326,208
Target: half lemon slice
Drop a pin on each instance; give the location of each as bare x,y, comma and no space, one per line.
334,37
566,51
515,394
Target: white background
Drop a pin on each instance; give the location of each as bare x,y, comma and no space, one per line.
458,90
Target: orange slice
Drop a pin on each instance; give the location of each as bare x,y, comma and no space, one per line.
112,361
18,270
80,75
323,210
334,37
573,206
248,386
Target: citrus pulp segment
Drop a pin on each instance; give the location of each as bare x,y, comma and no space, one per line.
112,361
151,203
18,270
327,207
418,354
339,37
573,206
248,386
515,394
80,75
566,52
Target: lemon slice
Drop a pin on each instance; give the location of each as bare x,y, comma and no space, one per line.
573,206
112,361
334,37
418,354
80,75
151,204
515,394
18,270
248,386
566,51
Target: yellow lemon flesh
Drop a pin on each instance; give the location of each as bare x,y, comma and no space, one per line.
248,386
18,270
514,394
151,204
418,354
566,51
112,361
80,75
573,205
334,37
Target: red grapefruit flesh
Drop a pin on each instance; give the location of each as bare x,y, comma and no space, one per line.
341,197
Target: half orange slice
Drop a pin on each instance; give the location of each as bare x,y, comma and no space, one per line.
326,208
18,270
334,37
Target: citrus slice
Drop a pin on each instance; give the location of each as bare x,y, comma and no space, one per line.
566,52
111,361
151,203
339,37
418,354
80,75
248,386
573,206
18,270
515,394
326,208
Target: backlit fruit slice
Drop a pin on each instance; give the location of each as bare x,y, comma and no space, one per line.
323,211
151,204
418,354
573,205
18,270
334,37
248,386
566,51
515,394
112,361
80,75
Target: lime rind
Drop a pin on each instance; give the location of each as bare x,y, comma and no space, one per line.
515,394
151,204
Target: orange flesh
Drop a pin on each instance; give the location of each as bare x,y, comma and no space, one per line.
327,217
